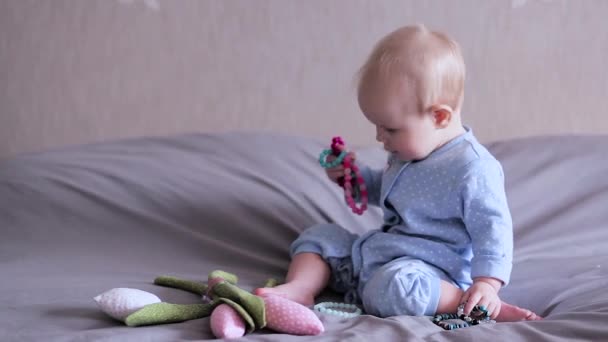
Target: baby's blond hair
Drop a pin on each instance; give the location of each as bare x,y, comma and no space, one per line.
430,63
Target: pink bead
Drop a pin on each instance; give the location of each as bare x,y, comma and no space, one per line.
351,178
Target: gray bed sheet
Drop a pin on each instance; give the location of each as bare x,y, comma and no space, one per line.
78,221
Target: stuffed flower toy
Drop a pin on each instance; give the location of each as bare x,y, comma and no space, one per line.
234,311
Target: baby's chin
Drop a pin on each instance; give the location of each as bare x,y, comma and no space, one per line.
393,153
400,156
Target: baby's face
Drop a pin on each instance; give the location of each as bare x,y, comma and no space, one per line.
400,127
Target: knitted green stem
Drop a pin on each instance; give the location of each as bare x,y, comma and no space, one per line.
249,306
187,285
162,313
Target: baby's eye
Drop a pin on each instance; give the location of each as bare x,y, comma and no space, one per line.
391,130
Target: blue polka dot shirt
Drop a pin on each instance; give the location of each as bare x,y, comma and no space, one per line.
449,210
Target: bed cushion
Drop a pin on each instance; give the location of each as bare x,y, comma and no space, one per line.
78,221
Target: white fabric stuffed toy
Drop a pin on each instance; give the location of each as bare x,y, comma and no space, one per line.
120,302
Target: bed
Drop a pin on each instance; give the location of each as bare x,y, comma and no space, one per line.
77,221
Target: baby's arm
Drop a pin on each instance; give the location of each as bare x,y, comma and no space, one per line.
488,220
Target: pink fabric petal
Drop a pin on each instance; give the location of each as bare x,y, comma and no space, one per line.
286,316
226,322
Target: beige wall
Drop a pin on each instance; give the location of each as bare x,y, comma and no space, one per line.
79,71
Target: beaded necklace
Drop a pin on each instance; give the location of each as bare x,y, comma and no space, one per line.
451,321
352,181
338,309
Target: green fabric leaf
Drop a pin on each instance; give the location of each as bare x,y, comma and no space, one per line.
187,285
163,313
251,303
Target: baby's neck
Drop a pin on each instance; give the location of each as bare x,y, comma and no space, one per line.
451,133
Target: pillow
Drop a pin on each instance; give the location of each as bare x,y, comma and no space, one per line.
244,197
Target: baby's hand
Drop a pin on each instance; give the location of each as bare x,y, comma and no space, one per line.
337,172
482,293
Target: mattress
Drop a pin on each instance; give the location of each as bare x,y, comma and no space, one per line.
77,221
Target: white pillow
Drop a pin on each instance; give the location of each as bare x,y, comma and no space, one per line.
119,303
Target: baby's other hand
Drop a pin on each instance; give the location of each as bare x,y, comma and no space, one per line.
483,294
337,172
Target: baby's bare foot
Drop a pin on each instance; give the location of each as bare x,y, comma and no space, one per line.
512,313
289,291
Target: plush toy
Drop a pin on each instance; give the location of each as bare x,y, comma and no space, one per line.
234,311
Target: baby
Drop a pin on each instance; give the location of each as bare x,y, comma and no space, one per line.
447,235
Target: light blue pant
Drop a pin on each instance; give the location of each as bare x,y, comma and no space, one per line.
402,286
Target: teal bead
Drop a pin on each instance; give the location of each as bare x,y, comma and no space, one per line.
335,162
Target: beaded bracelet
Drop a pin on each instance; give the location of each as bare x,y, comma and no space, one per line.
479,315
338,309
351,175
350,169
334,163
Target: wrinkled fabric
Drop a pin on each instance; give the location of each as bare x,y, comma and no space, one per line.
79,221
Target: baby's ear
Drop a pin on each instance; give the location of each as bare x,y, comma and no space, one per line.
442,115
